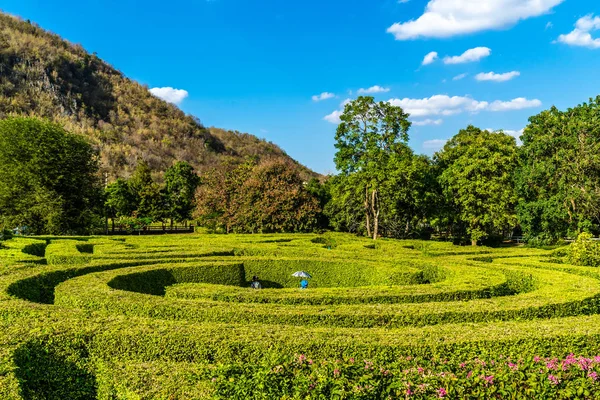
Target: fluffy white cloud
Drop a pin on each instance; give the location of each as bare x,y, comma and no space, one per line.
170,94
334,117
581,36
429,58
443,105
446,18
515,104
492,76
470,55
434,145
373,89
323,96
459,77
440,104
427,122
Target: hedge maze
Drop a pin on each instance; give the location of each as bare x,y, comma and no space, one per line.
173,317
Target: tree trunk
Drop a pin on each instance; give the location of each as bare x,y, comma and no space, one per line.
375,210
473,242
367,211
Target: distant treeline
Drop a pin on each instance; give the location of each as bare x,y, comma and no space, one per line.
479,188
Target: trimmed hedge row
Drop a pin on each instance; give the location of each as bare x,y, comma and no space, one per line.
66,252
580,296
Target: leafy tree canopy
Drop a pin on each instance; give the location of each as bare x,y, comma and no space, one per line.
477,170
48,178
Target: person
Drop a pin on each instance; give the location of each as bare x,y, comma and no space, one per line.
303,284
255,283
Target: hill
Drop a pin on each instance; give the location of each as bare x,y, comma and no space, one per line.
43,75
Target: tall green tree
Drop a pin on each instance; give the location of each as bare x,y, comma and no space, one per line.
558,181
477,173
181,183
119,200
48,178
368,135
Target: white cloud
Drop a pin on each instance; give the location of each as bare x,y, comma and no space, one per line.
446,18
434,145
169,94
459,77
470,55
323,96
443,105
429,58
519,103
427,122
549,25
334,117
438,105
581,36
492,76
373,89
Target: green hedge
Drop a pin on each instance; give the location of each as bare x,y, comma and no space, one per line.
65,252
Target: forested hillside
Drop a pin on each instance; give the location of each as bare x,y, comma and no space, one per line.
43,75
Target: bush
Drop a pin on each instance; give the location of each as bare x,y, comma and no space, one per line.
585,251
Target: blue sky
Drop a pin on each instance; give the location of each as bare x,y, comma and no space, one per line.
254,66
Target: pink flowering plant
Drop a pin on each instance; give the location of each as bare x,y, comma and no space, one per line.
411,378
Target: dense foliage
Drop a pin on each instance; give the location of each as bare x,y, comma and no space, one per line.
257,198
48,178
476,177
559,175
480,187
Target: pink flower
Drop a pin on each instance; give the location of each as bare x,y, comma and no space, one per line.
489,380
536,359
420,370
442,392
336,372
462,365
512,366
310,362
469,374
593,375
553,379
351,360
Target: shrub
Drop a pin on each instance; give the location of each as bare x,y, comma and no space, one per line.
584,251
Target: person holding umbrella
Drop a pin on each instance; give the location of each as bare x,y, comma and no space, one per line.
304,275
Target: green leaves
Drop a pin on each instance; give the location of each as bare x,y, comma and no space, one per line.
477,171
48,178
558,181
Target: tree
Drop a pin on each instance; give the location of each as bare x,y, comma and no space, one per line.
218,197
274,199
119,200
181,183
558,180
477,172
250,198
48,178
368,135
